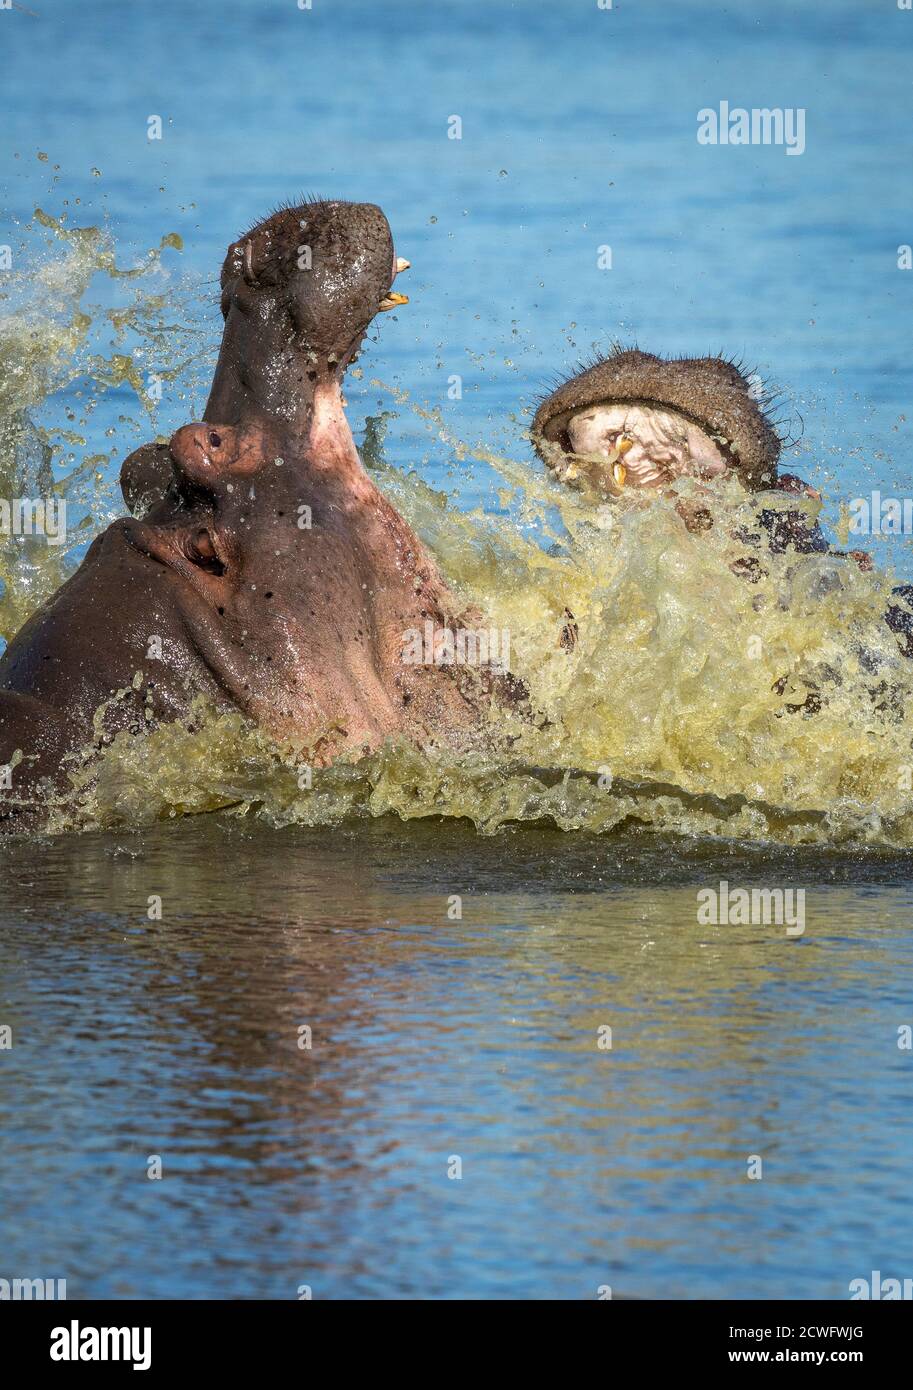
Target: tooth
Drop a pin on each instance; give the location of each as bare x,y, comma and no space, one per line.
402,264
392,300
619,473
624,444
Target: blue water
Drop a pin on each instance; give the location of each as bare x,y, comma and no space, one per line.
578,131
472,1038
435,1038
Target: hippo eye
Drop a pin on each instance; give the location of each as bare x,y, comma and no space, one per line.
215,439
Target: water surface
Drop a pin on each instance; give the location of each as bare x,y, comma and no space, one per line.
434,1038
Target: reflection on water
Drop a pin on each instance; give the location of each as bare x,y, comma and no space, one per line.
435,1037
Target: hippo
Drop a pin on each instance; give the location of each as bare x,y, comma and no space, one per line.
261,568
634,419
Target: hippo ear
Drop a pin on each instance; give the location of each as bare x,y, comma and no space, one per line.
246,259
145,477
240,261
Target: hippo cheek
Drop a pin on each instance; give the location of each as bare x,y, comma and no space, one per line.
233,648
206,559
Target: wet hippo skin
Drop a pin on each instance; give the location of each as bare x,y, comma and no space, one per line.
636,420
264,569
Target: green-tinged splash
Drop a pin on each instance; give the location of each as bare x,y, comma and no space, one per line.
688,682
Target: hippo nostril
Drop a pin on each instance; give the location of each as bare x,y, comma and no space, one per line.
215,439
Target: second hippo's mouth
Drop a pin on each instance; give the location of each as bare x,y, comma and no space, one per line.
616,445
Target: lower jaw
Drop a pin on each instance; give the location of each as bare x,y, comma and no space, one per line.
702,456
614,472
616,477
329,445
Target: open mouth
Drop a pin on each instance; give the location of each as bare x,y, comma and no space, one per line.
660,419
391,299
632,444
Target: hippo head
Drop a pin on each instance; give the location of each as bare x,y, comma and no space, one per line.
637,420
298,292
293,577
262,569
267,559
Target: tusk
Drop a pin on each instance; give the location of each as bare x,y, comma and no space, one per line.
392,301
624,444
619,473
402,264
249,275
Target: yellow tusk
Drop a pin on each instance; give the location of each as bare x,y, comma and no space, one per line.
624,444
392,301
619,473
402,264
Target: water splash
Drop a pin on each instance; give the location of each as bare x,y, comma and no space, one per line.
82,344
711,687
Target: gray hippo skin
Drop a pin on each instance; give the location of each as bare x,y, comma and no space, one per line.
266,571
